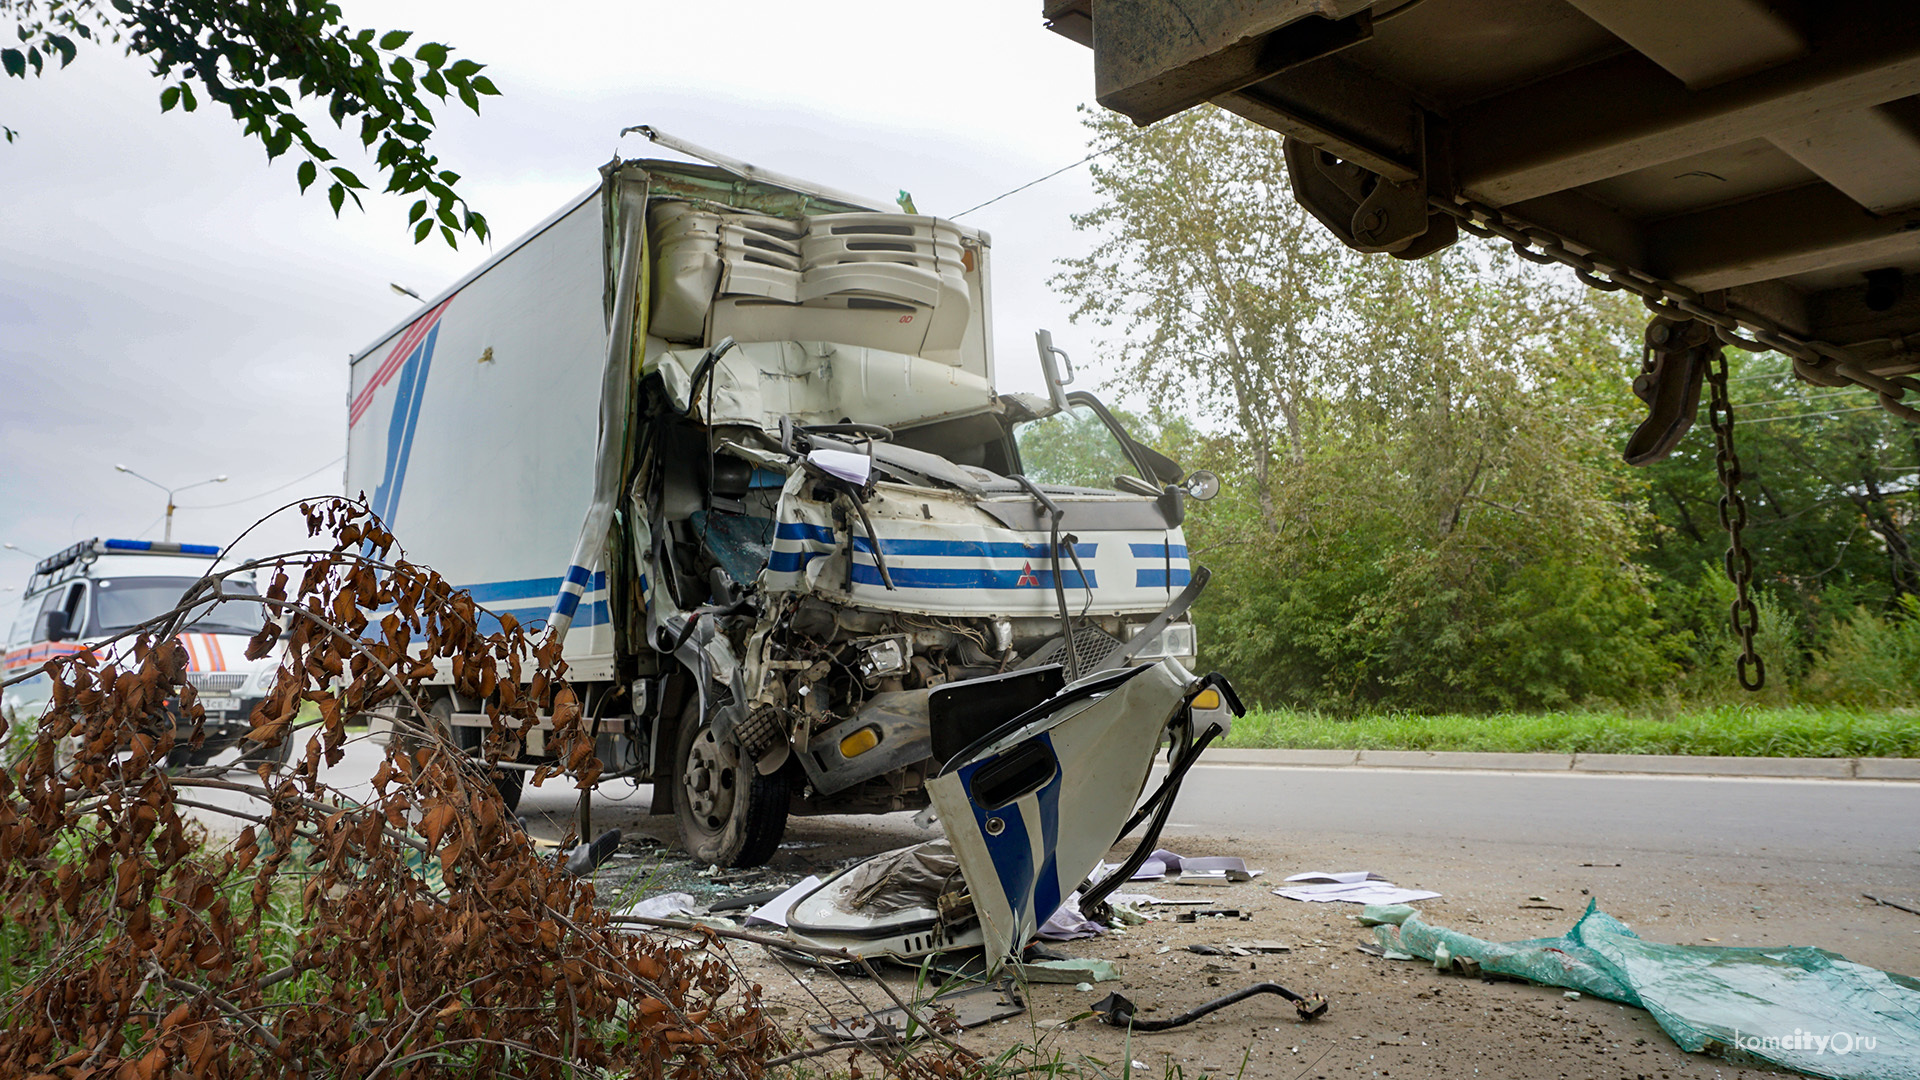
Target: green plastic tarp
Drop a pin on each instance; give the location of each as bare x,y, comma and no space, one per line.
1803,1008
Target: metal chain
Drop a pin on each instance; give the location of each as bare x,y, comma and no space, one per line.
1820,362
1744,618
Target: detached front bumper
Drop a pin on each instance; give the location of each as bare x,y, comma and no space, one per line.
1029,807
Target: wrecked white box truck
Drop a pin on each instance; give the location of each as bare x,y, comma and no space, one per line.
737,438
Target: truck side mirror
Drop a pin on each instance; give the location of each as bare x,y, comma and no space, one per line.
57,629
1202,485
1056,383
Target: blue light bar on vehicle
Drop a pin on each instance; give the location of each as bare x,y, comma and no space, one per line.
120,547
159,547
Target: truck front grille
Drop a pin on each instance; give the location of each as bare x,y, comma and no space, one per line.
1091,645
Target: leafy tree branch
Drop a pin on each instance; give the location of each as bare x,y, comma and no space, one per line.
261,60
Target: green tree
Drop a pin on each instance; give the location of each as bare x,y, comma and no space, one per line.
1462,535
1424,506
1214,276
260,59
1829,481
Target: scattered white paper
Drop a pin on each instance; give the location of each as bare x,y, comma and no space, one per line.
774,911
1216,864
673,905
853,468
1344,877
1067,924
1351,886
1200,869
1144,900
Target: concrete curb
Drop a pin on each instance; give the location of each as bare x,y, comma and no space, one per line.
1644,764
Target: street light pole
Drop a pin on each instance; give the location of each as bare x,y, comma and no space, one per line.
221,479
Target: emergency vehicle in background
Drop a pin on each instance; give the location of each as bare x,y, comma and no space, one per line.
98,589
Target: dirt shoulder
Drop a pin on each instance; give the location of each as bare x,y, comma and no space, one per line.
1387,1018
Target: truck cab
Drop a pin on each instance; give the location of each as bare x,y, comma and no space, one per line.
92,592
807,506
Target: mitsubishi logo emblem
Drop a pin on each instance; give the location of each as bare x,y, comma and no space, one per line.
1028,577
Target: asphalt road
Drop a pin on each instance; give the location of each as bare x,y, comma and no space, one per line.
1682,858
1857,823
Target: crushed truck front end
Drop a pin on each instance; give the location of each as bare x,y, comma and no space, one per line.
837,514
804,510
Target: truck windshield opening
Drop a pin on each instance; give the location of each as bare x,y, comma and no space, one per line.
1073,448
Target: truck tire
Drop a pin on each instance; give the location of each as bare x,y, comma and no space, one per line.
472,740
729,814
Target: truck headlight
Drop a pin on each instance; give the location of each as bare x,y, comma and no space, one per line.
884,657
1176,640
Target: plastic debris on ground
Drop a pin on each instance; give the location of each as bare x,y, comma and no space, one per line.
673,905
1214,913
1351,886
947,1013
1077,970
1799,1007
774,911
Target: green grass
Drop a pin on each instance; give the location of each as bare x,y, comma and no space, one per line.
1731,731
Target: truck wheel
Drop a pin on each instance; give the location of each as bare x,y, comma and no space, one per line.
729,814
472,739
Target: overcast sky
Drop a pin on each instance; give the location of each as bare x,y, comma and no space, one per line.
168,301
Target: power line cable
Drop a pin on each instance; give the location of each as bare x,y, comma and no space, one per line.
1793,401
1811,416
269,491
1064,168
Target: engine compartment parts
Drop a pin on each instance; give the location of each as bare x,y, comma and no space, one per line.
1115,1010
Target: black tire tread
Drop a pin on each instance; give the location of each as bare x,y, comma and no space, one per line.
768,798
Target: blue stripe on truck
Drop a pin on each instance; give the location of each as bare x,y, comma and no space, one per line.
786,562
969,577
800,530
488,592
593,614
968,549
493,594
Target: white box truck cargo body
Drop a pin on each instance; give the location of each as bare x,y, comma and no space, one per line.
470,428
736,440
